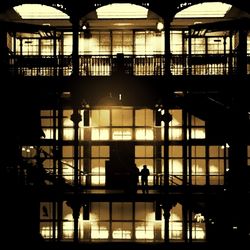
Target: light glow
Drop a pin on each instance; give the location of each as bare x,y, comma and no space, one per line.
121,134
39,11
215,9
121,10
144,134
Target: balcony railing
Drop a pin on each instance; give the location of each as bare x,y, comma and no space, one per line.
137,65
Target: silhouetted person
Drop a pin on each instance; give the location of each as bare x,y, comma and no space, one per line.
134,177
144,178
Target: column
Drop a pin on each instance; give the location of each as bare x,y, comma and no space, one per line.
167,22
76,118
75,20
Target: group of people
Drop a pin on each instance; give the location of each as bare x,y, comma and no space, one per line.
144,173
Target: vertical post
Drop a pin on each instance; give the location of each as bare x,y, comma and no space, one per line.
166,207
55,64
190,52
76,118
75,52
167,117
167,58
242,53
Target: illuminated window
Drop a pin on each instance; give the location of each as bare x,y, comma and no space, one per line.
143,117
198,227
122,42
175,165
197,128
176,42
144,155
144,220
144,134
100,134
99,217
198,45
30,46
46,220
148,43
217,164
121,10
122,217
68,126
198,164
122,134
175,223
68,162
122,117
175,126
216,9
100,118
39,11
67,43
99,155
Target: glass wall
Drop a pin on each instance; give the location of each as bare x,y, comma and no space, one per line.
120,221
204,164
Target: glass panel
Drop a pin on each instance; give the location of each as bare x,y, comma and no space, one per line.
122,230
144,134
175,151
100,230
176,45
122,211
68,134
175,223
100,118
198,151
67,151
67,118
122,117
99,211
143,151
198,133
122,134
99,134
176,117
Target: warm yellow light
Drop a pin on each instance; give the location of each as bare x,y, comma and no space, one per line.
100,233
121,10
122,234
175,133
198,133
99,134
145,231
215,9
144,134
39,11
121,134
160,26
68,133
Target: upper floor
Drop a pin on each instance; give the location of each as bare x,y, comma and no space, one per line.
210,38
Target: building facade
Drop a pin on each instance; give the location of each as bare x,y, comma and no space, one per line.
94,88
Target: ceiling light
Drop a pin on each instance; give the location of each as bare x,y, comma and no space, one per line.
39,11
159,26
121,10
213,9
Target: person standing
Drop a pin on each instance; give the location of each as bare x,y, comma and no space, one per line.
144,178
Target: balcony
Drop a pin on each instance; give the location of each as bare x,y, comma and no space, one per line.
136,65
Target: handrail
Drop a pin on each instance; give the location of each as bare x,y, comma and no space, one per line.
137,65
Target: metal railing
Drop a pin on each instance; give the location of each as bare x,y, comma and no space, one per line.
137,65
